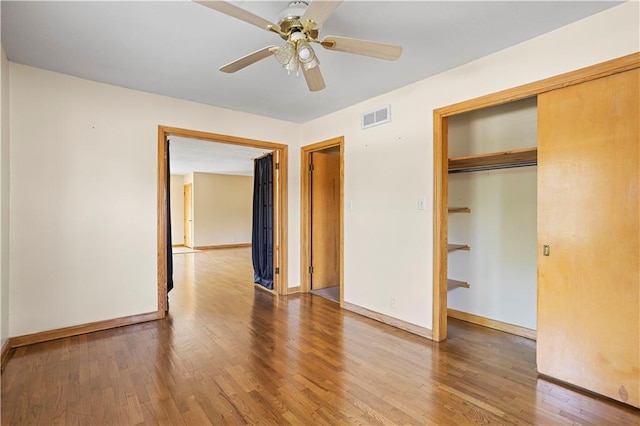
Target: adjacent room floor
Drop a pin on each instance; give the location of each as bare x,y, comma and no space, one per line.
231,353
331,293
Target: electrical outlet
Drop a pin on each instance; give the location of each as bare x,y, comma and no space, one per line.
394,302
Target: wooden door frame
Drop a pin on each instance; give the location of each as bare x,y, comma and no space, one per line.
440,162
280,218
184,208
305,212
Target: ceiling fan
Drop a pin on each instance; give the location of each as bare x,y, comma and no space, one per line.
299,26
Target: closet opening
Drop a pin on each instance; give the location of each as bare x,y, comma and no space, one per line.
492,192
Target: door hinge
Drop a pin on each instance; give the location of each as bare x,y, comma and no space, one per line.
277,166
311,167
277,270
311,269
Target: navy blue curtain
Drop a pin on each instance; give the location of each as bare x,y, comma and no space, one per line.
262,231
169,243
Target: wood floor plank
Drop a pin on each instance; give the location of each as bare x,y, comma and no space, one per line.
231,354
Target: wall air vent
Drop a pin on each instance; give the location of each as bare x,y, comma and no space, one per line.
374,118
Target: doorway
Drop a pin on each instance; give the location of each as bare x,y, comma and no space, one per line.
322,241
280,203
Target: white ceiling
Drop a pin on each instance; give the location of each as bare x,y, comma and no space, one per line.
176,48
193,155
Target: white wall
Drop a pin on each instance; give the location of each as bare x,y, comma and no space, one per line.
222,208
498,128
177,209
83,215
388,241
501,266
4,197
188,179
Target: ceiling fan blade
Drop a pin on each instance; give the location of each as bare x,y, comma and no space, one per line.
236,12
314,79
374,49
318,11
249,59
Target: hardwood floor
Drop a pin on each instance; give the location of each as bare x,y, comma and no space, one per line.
230,353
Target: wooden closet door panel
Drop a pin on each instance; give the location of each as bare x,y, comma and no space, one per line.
588,214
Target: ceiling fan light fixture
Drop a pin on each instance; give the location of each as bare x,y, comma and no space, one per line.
296,53
306,55
285,53
293,65
305,52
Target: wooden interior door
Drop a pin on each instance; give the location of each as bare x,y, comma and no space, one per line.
188,215
588,216
325,220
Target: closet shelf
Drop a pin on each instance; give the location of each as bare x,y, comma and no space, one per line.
451,284
454,247
494,160
459,210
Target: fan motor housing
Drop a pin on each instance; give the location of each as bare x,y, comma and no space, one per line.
290,24
290,19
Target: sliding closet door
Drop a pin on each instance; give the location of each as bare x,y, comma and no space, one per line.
588,236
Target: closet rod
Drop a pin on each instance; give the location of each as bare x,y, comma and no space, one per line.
494,167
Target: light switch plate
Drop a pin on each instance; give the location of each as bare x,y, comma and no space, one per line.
422,203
